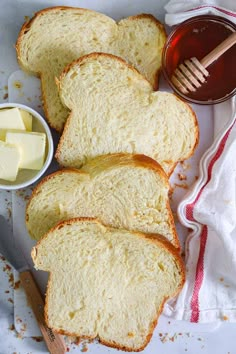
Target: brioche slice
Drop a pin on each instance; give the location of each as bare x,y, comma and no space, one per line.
127,191
105,282
114,109
56,36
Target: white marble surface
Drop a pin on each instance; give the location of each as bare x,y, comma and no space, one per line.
218,340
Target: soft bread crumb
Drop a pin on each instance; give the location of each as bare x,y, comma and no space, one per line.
106,282
114,109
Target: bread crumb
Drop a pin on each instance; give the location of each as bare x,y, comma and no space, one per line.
37,339
225,318
185,165
5,96
11,280
9,212
164,339
184,185
17,285
7,268
182,177
12,327
77,341
17,84
167,337
10,300
221,279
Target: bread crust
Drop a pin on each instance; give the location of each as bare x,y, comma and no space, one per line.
196,125
138,160
28,24
96,55
152,238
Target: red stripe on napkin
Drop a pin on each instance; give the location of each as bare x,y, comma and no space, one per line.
199,276
230,13
190,207
203,237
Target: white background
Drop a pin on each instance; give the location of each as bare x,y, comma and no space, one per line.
197,339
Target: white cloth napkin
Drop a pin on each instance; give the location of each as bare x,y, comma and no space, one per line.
180,10
209,293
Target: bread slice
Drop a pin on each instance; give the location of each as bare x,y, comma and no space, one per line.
127,191
105,282
56,36
114,109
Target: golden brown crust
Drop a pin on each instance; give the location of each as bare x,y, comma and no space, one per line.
196,128
27,25
152,238
128,159
96,55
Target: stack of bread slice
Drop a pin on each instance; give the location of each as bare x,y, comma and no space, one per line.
104,226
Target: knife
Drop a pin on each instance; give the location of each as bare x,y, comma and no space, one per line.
13,254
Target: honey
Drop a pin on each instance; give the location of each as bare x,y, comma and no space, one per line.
196,38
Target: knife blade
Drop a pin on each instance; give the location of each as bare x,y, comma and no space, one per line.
9,249
14,255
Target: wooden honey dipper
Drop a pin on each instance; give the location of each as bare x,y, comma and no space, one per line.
191,74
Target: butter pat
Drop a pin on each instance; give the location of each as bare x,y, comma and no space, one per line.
32,148
9,161
10,119
27,120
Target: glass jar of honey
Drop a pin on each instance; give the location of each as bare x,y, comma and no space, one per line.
197,37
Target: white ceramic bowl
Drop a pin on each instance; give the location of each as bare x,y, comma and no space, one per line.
28,177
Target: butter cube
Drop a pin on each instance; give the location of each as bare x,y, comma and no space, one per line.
9,161
32,147
27,119
10,119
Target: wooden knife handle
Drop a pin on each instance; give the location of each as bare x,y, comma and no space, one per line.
54,341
